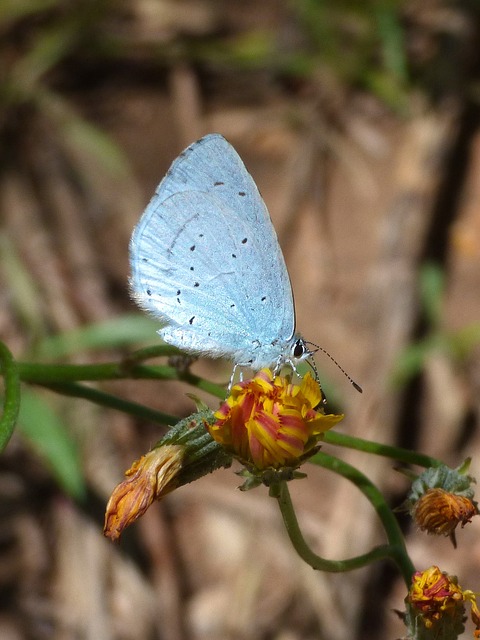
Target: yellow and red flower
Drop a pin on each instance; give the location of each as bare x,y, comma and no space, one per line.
435,594
269,422
437,602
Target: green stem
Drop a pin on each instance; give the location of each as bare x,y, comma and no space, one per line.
46,374
281,493
107,400
11,403
387,451
396,541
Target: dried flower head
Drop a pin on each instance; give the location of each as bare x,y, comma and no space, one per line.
442,498
149,478
186,453
440,512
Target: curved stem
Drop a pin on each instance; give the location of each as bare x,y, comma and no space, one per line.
281,493
11,404
394,534
385,450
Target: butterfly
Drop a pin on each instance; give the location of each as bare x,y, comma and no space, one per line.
205,260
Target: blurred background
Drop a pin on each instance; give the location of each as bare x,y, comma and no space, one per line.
360,124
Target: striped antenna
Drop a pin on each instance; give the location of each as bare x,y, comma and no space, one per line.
349,378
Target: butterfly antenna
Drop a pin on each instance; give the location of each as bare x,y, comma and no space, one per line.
349,378
313,367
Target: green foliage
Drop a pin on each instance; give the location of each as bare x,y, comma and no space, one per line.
45,430
54,33
11,10
456,345
361,43
11,396
123,330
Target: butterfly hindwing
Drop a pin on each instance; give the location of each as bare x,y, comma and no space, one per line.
206,261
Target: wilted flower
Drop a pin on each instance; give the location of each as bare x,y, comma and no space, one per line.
269,422
186,453
440,512
149,478
442,498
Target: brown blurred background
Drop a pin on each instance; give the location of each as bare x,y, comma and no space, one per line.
360,124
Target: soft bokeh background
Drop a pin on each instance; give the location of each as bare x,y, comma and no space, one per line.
360,124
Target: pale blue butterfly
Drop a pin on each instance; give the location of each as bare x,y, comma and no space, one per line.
206,262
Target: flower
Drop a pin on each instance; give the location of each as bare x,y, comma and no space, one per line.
435,606
148,479
184,454
440,512
434,594
475,612
269,422
442,498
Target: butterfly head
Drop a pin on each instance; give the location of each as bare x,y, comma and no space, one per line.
299,350
296,352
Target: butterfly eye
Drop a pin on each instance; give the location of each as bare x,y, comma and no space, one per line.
299,349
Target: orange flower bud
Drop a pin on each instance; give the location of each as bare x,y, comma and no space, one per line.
148,479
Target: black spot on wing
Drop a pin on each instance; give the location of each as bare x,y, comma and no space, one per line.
244,241
242,193
218,184
149,292
191,320
192,248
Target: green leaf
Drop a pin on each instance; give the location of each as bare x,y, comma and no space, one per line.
392,40
11,400
464,340
124,330
410,362
432,286
48,435
82,136
11,10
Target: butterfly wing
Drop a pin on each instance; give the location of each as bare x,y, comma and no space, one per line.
205,259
